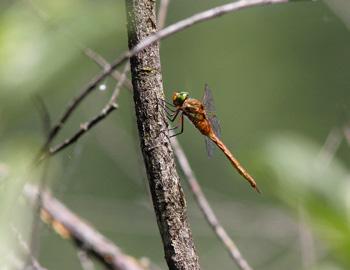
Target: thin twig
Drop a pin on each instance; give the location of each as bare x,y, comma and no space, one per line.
162,13
307,245
330,147
103,63
206,209
43,113
85,261
34,262
85,127
160,35
35,226
172,29
346,132
98,59
89,124
69,226
168,199
200,198
123,78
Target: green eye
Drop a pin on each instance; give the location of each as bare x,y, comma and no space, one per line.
184,95
179,98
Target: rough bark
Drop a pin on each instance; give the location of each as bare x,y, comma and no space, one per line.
167,195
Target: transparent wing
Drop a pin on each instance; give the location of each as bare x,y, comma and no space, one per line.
209,107
210,146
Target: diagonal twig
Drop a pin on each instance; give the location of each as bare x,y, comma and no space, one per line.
162,14
69,226
85,127
199,195
85,261
98,59
162,34
33,261
43,113
330,146
92,122
206,209
103,63
346,133
172,29
169,203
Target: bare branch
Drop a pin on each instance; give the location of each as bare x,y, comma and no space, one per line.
163,10
190,21
43,113
346,132
123,78
206,209
85,127
167,195
97,59
69,226
85,261
34,262
103,63
200,198
330,146
306,240
172,29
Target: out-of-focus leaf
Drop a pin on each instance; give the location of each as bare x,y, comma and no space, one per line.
322,190
342,9
16,215
37,41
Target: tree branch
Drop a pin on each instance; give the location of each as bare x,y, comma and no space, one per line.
68,225
85,261
163,10
103,63
172,29
33,261
85,127
167,195
200,199
206,209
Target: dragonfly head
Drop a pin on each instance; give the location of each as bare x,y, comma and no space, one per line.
179,98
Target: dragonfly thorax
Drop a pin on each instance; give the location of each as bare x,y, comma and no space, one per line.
179,98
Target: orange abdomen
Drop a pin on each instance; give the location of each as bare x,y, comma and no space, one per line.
234,161
203,126
194,110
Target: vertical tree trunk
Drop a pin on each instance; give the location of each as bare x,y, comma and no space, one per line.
167,195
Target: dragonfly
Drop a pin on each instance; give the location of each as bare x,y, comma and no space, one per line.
203,117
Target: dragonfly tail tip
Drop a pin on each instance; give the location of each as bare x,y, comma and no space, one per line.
257,189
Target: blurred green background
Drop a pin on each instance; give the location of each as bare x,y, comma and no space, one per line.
280,79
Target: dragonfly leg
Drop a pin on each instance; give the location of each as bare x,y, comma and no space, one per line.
182,127
173,116
169,111
170,114
167,105
172,119
173,128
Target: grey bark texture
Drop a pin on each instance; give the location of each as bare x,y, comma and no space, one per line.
167,195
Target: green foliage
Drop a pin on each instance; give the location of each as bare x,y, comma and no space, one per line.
300,178
270,68
15,215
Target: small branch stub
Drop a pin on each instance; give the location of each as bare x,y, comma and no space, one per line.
167,194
